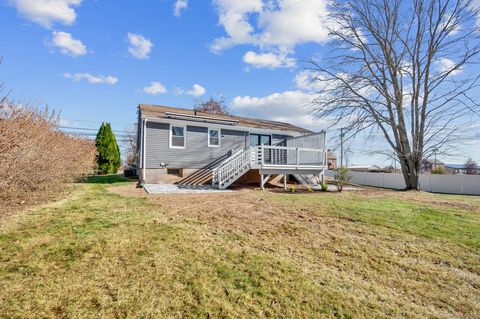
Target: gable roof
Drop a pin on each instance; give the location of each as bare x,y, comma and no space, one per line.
160,111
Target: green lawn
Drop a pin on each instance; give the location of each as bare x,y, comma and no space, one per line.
242,255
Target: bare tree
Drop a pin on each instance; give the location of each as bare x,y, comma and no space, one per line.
401,67
131,147
212,105
471,167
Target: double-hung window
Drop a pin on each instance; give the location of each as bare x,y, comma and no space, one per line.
213,138
177,136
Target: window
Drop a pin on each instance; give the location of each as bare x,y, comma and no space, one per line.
177,136
213,138
173,171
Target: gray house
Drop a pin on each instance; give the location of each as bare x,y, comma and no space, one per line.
191,148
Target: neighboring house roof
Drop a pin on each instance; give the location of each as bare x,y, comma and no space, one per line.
152,111
330,155
456,166
432,161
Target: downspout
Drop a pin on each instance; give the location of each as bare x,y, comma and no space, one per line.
144,150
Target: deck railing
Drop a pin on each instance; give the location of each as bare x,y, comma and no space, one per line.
287,157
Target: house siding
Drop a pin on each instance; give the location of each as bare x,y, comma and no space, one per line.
196,154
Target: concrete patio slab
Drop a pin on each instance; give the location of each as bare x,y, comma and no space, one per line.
180,189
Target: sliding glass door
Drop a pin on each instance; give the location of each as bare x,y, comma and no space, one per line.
260,139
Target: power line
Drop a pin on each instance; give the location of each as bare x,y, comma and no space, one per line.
88,129
94,134
90,121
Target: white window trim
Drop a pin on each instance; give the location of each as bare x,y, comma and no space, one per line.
219,137
184,136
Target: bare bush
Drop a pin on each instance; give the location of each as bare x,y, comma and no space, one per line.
35,158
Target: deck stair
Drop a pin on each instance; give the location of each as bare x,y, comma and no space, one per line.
231,169
307,179
307,165
204,175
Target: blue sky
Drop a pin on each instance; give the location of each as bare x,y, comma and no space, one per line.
97,60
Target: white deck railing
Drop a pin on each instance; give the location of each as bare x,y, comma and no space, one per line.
268,156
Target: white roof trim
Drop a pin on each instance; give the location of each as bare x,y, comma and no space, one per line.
199,118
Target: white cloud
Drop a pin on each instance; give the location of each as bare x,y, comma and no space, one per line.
280,24
268,60
155,88
293,22
67,45
196,91
233,16
447,65
47,12
290,106
139,46
92,79
309,81
179,6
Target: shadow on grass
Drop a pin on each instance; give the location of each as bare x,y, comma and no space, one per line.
107,179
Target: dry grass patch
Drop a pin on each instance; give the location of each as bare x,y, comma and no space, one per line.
244,254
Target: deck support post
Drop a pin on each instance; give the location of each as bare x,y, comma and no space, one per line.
263,180
285,181
322,177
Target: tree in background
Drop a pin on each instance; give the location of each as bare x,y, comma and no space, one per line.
212,106
401,68
108,158
131,151
471,167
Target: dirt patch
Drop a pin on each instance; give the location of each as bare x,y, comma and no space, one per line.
244,210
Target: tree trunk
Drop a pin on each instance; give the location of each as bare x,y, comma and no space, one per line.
410,170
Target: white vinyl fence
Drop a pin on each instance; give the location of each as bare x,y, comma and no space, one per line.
448,184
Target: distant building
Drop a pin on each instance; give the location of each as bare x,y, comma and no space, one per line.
391,169
331,160
456,169
365,168
428,165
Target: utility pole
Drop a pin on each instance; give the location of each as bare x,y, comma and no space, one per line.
341,145
435,150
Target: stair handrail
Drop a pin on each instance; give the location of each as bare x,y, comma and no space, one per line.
228,159
230,167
